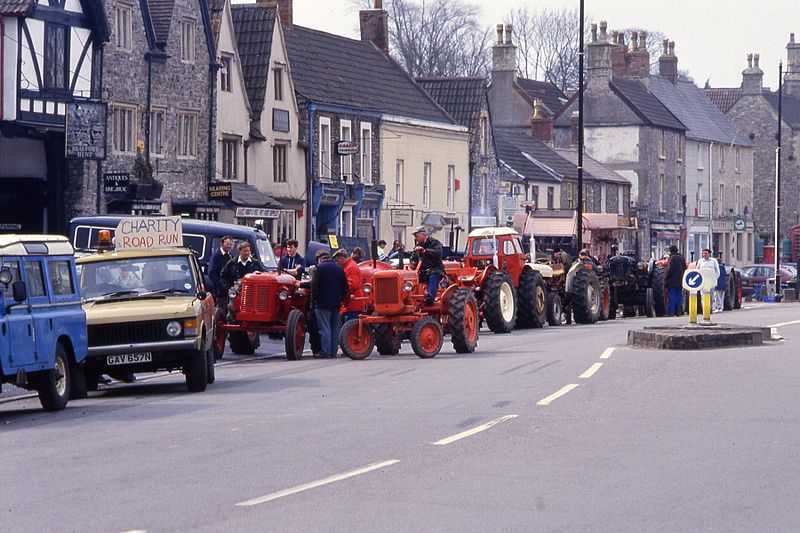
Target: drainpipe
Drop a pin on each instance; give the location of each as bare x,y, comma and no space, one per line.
213,66
710,197
149,58
310,176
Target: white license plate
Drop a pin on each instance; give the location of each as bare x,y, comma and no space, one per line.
130,358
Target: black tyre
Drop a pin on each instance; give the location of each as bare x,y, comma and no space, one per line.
427,337
211,371
92,380
241,343
462,321
605,302
649,303
628,311
555,309
532,298
196,370
612,303
218,346
499,302
314,340
658,283
737,290
357,345
295,337
77,385
730,294
53,385
585,296
387,339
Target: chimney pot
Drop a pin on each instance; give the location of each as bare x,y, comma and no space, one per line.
672,48
634,41
755,60
285,10
603,33
791,37
749,60
642,40
375,26
509,33
594,32
499,39
378,4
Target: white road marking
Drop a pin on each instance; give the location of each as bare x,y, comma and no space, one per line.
318,483
590,371
781,324
557,394
473,431
607,352
136,531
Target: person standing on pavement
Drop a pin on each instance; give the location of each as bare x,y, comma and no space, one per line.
218,261
722,286
328,289
674,281
292,263
706,261
428,252
350,306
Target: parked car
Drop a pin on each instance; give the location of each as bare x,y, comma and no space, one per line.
754,276
43,341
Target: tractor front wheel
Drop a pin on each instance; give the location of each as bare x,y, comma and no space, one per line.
357,345
555,310
427,337
462,321
295,335
499,302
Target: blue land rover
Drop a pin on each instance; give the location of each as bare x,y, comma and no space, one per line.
43,337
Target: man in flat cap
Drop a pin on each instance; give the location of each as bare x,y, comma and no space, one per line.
328,290
428,251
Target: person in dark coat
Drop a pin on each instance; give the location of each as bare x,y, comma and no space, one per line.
218,261
674,281
328,289
429,251
292,263
237,268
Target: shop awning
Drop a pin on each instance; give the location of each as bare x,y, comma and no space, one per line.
433,220
247,195
601,221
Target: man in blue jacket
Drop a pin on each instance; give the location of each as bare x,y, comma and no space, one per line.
218,261
292,263
328,289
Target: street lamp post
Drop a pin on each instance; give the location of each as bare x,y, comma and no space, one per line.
778,187
580,130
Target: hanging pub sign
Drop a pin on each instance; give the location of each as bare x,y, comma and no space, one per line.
220,191
347,148
116,183
86,130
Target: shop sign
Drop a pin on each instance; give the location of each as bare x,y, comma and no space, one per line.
138,233
86,130
220,191
347,148
116,183
402,217
257,212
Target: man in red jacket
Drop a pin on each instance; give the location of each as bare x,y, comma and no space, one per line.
350,306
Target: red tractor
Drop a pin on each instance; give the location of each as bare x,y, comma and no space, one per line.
264,302
510,289
395,306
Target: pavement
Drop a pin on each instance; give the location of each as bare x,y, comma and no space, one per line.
563,428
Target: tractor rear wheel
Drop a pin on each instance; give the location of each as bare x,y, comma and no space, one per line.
728,301
427,337
462,321
555,310
295,335
649,303
737,288
658,283
357,345
605,302
387,339
585,296
499,302
532,296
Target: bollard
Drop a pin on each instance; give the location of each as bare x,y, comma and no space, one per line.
707,306
692,308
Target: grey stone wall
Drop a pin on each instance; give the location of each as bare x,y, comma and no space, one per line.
355,124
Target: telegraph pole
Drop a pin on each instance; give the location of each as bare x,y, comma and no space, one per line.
580,130
778,187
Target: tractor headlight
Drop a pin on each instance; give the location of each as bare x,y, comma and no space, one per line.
283,296
174,328
367,288
232,293
408,286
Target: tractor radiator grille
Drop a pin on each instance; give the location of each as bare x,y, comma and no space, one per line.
386,291
258,298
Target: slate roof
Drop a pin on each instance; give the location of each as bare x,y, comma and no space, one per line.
528,157
645,104
16,7
254,26
591,168
161,16
550,95
331,69
723,98
703,120
790,108
244,194
463,98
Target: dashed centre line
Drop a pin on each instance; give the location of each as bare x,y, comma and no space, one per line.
607,352
590,371
558,394
318,483
781,324
473,431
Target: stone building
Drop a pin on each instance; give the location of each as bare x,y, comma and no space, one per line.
467,102
50,54
159,82
753,109
716,193
627,129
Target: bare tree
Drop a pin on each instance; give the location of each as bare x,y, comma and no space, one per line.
436,37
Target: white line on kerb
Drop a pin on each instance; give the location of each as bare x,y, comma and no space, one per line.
473,431
557,394
590,371
607,352
784,324
318,483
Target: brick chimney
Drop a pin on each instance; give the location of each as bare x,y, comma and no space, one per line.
752,76
504,52
668,62
285,10
637,59
375,26
541,125
791,80
618,53
598,53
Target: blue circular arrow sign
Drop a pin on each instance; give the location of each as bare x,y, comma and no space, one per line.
692,280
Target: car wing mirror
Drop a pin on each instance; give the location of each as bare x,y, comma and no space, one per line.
19,291
202,295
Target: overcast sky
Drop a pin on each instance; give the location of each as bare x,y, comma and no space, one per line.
712,37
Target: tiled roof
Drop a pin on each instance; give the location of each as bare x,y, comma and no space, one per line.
592,169
16,7
461,97
723,98
332,69
790,107
244,194
161,15
645,104
528,157
550,95
702,118
254,26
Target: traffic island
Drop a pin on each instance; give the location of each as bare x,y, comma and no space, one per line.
698,336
